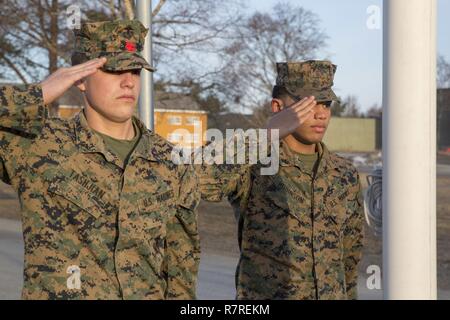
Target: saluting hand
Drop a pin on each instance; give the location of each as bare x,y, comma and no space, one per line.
289,119
62,79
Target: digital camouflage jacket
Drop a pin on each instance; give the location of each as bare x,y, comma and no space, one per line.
300,237
92,228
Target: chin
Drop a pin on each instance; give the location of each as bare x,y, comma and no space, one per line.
118,117
115,112
121,118
306,139
121,114
316,140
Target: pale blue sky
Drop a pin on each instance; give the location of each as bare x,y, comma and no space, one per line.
356,49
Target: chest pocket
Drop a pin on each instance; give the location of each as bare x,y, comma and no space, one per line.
154,208
78,196
336,208
154,214
285,195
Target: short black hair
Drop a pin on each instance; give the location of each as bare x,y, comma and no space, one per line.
279,92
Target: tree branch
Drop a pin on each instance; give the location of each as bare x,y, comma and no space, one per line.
15,69
158,8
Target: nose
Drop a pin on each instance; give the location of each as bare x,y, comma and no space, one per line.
321,112
127,80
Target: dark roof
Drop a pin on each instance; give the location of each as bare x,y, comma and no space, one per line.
177,101
225,121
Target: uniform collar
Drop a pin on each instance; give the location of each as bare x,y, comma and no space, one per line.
150,147
288,158
89,142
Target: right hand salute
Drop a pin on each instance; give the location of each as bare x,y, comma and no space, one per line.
290,118
62,79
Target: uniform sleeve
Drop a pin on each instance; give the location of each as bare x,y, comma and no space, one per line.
222,181
353,238
183,243
22,114
219,181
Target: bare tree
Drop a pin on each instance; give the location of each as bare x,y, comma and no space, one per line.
34,39
338,110
128,4
374,111
443,73
351,107
204,45
287,33
189,39
188,35
30,37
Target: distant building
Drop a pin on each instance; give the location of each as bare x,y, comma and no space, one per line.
353,134
179,119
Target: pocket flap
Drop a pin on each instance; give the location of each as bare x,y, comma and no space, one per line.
77,196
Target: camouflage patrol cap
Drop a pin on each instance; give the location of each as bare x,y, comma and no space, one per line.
308,78
120,41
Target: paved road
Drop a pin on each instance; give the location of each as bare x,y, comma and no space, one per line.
443,170
216,277
11,259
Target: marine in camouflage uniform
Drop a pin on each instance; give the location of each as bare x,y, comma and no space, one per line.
128,229
300,230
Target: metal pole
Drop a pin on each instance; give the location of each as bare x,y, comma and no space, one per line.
409,149
146,103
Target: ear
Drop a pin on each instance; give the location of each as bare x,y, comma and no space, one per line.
80,85
277,105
